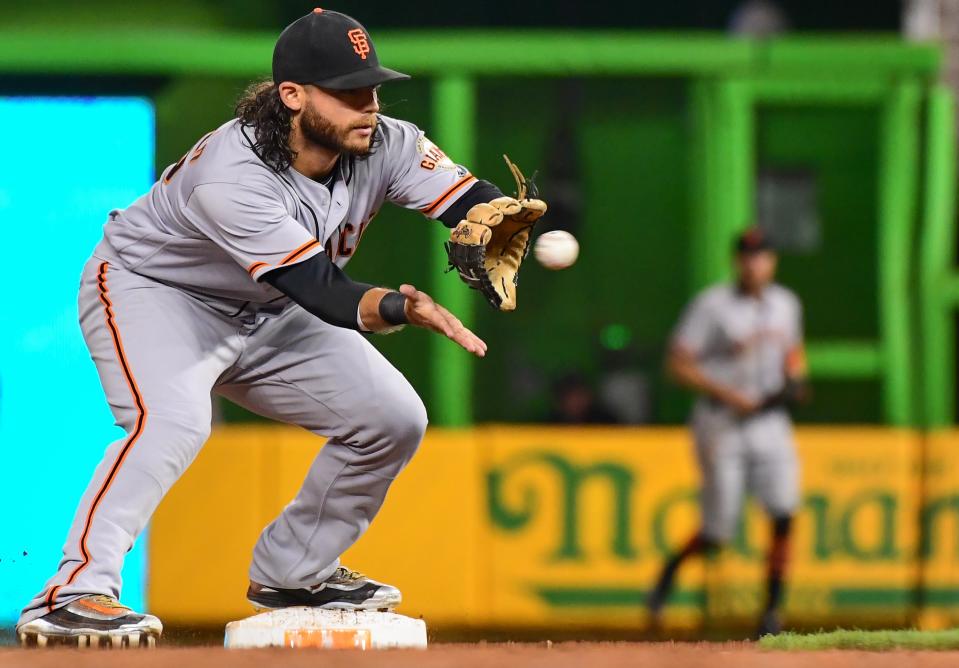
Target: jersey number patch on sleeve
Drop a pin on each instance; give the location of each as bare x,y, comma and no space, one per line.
192,155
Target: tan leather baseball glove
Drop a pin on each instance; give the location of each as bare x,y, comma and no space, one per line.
489,246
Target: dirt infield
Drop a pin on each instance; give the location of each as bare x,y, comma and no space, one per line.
612,655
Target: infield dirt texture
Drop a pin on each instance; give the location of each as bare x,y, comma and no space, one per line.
562,655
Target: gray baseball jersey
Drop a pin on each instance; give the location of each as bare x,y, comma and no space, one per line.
171,310
743,342
220,218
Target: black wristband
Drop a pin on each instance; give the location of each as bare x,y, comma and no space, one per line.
393,308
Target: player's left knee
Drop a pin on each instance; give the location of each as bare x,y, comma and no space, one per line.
403,423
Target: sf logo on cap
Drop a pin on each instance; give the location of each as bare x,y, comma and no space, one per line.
360,44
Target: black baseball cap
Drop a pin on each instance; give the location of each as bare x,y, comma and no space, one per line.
753,240
329,50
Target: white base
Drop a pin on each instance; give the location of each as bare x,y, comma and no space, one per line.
327,629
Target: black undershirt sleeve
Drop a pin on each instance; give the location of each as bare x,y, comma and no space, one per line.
481,191
321,288
327,292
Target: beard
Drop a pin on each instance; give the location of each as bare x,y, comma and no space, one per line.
321,132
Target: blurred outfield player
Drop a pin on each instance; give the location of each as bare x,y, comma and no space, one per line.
740,347
227,276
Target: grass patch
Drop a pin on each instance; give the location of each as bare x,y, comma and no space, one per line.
864,640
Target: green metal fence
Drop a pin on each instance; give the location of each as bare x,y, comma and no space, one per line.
728,81
939,282
727,193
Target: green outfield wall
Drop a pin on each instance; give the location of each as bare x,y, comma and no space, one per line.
647,147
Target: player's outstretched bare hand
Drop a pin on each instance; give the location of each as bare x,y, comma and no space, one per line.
423,312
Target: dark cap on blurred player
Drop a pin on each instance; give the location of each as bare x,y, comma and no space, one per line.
753,240
329,50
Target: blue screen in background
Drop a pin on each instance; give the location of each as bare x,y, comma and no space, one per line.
66,162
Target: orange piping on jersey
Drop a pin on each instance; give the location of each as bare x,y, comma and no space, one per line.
438,202
299,251
125,450
252,269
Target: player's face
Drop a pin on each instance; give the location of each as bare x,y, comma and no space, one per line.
340,120
756,270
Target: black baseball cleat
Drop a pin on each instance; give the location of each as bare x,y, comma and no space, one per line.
655,601
92,621
344,590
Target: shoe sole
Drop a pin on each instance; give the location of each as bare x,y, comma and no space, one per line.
40,633
354,607
85,638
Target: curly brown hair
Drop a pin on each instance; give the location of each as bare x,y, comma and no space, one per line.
260,107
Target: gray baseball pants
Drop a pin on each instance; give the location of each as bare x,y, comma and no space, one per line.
160,353
737,456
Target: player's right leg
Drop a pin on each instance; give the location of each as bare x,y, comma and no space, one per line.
775,481
158,353
721,456
332,381
777,560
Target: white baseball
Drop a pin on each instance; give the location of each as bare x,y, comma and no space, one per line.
556,249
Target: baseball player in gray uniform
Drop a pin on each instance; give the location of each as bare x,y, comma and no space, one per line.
227,276
740,346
